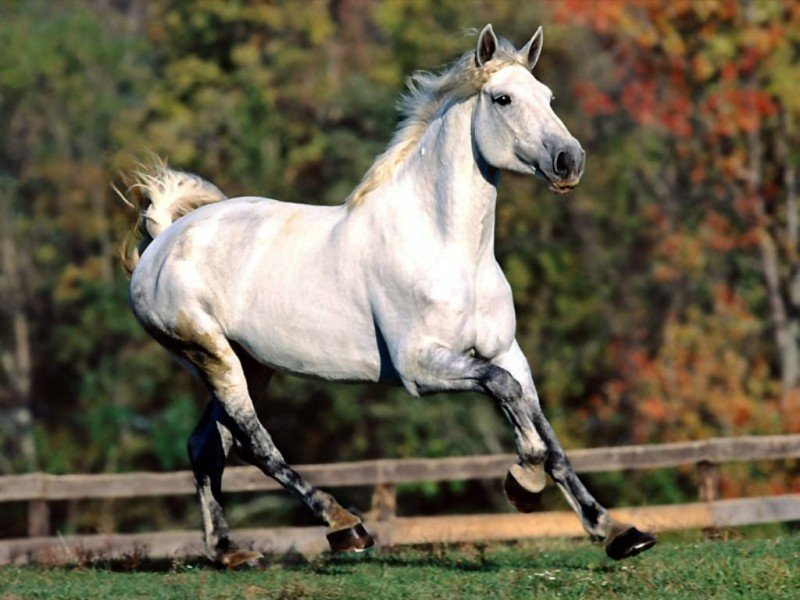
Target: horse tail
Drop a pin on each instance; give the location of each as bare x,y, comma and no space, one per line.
161,196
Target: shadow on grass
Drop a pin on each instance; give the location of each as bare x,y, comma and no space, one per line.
323,564
461,557
573,556
577,556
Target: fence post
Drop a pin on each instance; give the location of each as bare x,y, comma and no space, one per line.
384,502
708,480
38,518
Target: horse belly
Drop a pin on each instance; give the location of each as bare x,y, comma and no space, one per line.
328,344
305,312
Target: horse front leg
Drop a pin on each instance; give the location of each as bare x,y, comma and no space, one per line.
440,369
621,539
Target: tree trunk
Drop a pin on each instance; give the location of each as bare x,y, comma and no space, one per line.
790,372
785,322
786,327
17,419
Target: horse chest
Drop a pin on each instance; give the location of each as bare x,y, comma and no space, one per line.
465,309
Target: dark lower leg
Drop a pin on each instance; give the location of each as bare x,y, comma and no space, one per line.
593,515
345,531
208,449
527,478
265,455
622,540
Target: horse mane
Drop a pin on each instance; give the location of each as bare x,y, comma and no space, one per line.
428,95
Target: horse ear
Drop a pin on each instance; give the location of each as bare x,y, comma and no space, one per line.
533,48
487,44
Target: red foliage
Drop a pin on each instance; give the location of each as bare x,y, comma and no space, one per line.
594,101
694,74
639,100
669,74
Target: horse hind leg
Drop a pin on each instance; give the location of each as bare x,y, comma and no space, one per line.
222,370
345,530
208,446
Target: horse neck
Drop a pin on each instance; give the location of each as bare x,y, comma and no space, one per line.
453,184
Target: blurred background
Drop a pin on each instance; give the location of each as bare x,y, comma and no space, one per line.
659,301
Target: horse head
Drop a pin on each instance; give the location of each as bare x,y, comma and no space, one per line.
514,125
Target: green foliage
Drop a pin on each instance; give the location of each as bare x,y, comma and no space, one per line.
167,432
640,297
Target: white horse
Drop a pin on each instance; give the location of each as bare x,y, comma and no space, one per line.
399,284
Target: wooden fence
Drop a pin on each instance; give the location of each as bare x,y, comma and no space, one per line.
38,489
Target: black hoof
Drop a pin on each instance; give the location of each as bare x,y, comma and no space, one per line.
523,500
629,542
353,539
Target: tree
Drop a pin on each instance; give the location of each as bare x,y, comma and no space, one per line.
710,91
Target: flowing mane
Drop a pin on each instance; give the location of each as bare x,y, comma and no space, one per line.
427,96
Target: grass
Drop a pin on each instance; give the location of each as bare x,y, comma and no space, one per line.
742,564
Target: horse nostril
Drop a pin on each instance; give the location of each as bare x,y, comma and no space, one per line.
561,164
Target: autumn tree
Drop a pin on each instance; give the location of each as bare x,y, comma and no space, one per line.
709,91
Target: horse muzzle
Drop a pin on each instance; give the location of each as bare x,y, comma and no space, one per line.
569,161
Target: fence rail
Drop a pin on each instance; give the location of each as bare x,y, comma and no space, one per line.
41,486
38,489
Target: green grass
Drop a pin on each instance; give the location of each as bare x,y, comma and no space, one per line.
681,566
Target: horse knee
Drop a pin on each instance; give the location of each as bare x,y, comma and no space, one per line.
531,448
502,385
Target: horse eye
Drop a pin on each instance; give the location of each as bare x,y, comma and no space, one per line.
502,100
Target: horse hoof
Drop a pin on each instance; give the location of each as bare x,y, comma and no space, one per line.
629,542
523,485
238,558
350,539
